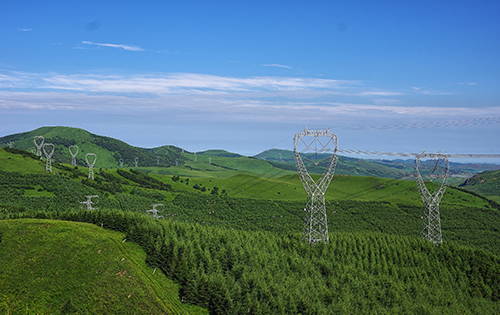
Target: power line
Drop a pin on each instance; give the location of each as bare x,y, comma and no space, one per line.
449,123
407,154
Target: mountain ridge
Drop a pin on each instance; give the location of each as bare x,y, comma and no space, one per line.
114,153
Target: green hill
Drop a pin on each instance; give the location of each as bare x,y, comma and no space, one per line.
400,169
486,183
249,202
60,267
170,160
109,151
230,237
241,272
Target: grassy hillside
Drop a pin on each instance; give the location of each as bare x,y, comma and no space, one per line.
211,163
249,202
486,183
241,272
233,242
109,151
79,268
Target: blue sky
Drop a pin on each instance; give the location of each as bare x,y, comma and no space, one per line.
245,76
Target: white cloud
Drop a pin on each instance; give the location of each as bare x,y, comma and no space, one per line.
470,83
277,65
190,83
126,47
202,96
200,107
24,29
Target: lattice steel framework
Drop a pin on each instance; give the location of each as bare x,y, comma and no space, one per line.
48,165
89,202
39,145
434,168
73,155
155,211
91,165
315,221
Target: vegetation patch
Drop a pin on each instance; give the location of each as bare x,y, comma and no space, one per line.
78,268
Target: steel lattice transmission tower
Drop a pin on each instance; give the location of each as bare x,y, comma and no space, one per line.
48,165
39,145
89,202
431,167
155,211
91,164
321,146
73,154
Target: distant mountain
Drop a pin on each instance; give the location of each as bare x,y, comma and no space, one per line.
109,151
220,153
345,165
399,168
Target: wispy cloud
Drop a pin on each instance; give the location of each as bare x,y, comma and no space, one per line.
470,83
201,96
125,47
191,83
277,65
220,108
24,29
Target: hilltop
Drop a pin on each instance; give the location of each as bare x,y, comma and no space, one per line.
109,151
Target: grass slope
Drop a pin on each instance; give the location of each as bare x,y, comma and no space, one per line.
250,202
241,272
53,267
109,151
486,183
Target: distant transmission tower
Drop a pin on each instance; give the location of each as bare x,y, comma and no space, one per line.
73,155
89,202
176,162
91,165
48,165
431,167
121,163
11,144
39,145
322,147
155,211
158,160
136,160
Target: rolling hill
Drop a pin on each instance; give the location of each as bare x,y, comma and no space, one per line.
244,272
79,268
486,183
400,169
230,236
109,151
